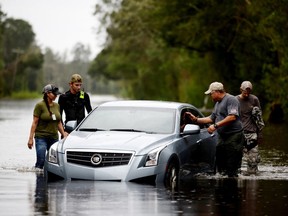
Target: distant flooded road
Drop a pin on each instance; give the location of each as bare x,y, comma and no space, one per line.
23,192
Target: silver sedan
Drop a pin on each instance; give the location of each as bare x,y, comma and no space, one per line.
141,141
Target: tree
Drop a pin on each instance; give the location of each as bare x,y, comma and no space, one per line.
138,54
173,49
18,34
2,16
20,55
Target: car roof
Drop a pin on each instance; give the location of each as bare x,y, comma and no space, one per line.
145,103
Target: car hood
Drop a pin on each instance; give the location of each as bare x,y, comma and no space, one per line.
140,143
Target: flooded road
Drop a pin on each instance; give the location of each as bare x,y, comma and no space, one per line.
23,192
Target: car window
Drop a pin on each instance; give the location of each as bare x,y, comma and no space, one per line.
152,120
186,120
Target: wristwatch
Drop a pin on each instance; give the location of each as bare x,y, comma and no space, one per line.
215,125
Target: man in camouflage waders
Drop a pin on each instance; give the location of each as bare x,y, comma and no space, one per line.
251,117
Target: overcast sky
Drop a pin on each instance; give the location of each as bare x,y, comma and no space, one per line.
58,24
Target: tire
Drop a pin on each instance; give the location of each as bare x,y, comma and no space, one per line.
171,179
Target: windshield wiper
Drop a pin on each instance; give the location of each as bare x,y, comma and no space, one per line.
128,130
131,130
91,129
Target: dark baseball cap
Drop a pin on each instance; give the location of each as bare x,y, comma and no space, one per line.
51,88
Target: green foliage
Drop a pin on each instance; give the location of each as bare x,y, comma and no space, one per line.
25,95
18,35
2,16
21,57
142,55
33,58
173,49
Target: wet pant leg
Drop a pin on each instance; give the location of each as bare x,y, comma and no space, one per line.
42,145
253,159
221,158
233,145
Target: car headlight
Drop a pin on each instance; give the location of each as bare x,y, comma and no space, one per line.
153,156
52,154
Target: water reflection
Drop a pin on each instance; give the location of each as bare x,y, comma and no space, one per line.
41,195
108,198
198,197
233,197
212,196
228,197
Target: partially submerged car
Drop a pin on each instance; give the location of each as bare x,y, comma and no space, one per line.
133,140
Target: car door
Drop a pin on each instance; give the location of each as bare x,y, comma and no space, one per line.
202,146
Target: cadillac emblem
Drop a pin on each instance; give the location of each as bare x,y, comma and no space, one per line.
96,159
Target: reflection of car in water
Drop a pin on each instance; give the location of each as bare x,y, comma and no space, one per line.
132,141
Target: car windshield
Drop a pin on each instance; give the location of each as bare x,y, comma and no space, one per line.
149,120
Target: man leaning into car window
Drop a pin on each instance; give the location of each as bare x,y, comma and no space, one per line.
225,118
185,119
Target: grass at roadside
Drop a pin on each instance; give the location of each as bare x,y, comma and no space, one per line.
25,95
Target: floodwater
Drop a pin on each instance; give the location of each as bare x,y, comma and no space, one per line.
24,192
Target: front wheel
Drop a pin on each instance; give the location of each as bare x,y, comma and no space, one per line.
172,175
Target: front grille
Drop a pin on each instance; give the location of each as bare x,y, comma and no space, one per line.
108,158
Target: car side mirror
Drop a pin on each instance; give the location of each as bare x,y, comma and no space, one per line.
191,129
70,126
